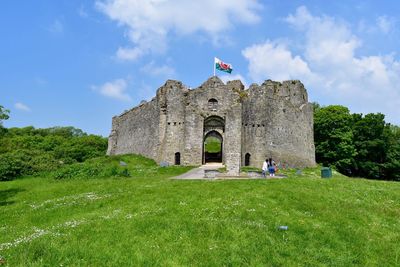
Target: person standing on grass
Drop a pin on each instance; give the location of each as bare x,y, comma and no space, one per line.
265,168
271,167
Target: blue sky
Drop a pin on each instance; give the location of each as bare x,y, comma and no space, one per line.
78,63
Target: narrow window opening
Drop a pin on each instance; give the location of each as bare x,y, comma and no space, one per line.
177,158
247,159
212,104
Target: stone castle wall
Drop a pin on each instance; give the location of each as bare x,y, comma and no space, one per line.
172,120
278,123
269,120
136,131
198,110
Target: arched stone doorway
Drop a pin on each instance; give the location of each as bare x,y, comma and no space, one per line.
213,140
247,159
213,143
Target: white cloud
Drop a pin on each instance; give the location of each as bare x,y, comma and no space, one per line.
130,53
274,61
326,38
115,89
329,66
381,25
301,19
21,106
150,23
56,27
82,12
158,70
385,24
230,77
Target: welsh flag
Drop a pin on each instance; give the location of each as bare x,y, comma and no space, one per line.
222,66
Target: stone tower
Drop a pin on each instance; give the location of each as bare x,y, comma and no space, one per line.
268,120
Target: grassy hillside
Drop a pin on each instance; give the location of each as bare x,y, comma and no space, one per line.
148,219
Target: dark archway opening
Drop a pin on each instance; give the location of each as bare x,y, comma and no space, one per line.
213,147
177,158
214,127
247,159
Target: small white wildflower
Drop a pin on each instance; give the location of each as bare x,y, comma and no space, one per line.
4,246
72,223
24,239
236,203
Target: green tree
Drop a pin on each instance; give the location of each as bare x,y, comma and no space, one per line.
392,165
357,145
3,114
27,150
316,106
333,137
371,140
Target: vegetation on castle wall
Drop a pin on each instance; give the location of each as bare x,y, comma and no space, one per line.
241,93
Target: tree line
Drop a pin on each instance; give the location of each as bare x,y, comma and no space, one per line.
356,145
30,151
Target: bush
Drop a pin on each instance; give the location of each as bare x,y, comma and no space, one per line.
81,149
12,166
90,170
26,151
44,162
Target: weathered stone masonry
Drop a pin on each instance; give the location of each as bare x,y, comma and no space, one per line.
268,120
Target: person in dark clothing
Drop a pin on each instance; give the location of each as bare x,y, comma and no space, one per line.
271,167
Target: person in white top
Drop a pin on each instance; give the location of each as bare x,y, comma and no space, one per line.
265,168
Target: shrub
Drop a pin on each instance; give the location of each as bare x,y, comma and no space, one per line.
26,151
12,165
90,170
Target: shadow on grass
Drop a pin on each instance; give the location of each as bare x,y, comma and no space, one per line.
7,194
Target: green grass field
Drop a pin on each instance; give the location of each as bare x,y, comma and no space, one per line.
150,220
212,145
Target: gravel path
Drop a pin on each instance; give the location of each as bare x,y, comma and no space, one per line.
198,173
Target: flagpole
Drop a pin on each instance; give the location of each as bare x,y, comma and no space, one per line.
214,67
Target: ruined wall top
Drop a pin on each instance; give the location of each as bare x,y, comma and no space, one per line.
292,90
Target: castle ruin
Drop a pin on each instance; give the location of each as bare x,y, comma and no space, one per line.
269,120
